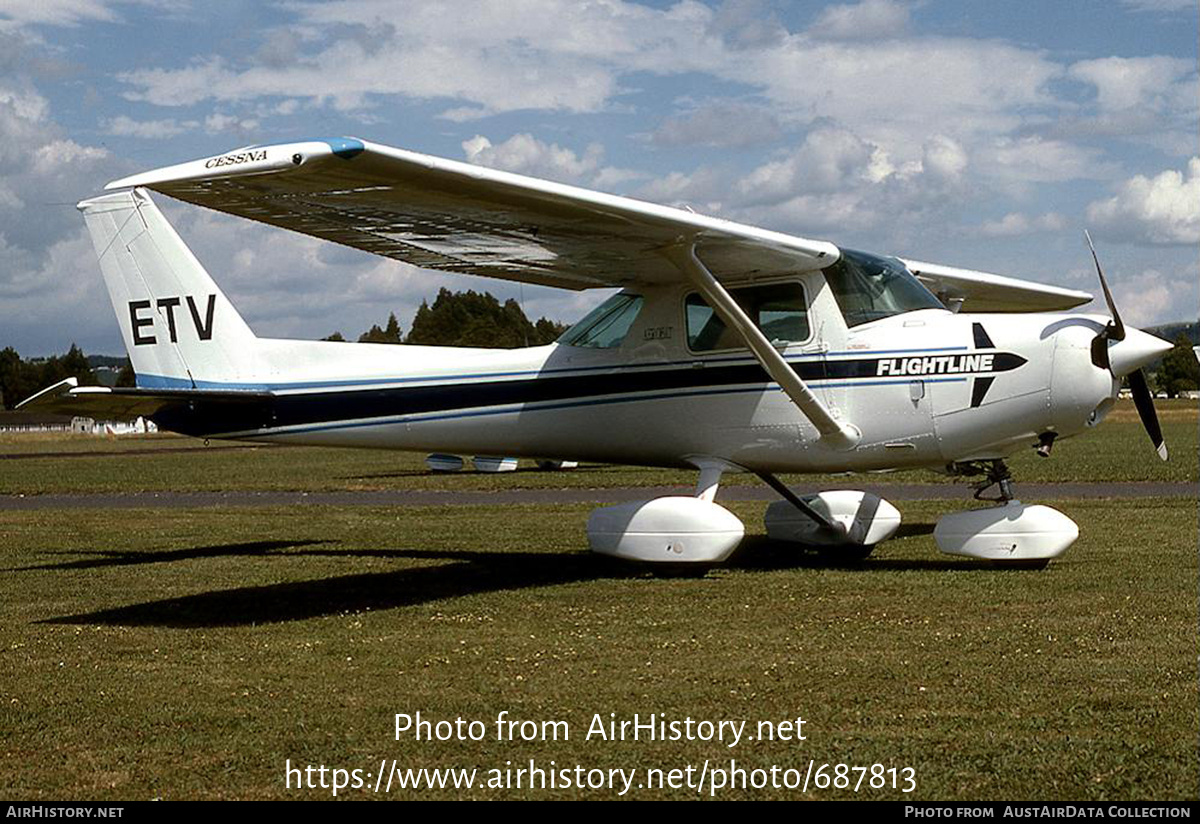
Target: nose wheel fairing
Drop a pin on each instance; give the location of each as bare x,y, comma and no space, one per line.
1011,531
1008,532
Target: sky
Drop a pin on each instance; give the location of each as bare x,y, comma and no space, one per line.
965,132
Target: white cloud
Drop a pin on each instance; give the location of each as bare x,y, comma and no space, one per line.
217,122
721,124
1151,297
525,154
557,55
701,189
24,106
1164,209
1126,82
145,129
867,20
746,24
833,181
17,13
43,173
1036,159
1152,100
552,55
944,157
47,266
895,92
829,159
1019,223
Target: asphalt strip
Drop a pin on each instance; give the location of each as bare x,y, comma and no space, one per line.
508,497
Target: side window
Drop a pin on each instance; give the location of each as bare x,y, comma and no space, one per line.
606,326
778,309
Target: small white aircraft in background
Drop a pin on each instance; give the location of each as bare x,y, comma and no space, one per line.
729,349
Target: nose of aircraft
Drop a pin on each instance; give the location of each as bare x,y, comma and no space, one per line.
1137,349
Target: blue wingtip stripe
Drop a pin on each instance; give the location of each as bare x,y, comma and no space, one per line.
343,147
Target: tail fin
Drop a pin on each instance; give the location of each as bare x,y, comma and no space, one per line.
179,329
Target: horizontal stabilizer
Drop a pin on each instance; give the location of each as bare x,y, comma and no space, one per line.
120,404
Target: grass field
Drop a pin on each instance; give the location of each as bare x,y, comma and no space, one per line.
182,653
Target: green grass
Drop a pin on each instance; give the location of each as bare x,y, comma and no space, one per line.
1117,451
188,654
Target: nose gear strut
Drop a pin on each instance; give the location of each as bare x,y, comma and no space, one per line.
995,473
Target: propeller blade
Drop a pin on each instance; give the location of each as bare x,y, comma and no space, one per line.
1144,402
1116,330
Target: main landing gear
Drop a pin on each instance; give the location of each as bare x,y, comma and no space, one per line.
843,524
1010,531
670,530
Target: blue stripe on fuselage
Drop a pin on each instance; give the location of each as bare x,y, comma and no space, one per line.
165,382
547,407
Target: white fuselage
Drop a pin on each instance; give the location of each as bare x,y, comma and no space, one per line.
925,388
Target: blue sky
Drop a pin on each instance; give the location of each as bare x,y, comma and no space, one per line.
977,134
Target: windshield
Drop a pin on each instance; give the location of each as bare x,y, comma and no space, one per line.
868,287
605,326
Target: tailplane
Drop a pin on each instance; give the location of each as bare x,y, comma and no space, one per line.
179,328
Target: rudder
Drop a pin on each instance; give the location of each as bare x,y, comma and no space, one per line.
179,328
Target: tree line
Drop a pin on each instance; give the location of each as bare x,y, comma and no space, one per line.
465,319
21,378
1178,371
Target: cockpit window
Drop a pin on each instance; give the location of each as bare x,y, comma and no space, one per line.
605,326
868,287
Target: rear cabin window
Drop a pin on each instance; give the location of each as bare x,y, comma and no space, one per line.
606,326
778,309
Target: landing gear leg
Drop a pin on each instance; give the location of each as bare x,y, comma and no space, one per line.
842,525
996,473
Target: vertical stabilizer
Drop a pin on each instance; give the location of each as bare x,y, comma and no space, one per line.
179,328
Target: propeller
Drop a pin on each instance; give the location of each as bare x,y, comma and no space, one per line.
1126,357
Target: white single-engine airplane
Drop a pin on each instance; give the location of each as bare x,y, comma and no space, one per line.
729,349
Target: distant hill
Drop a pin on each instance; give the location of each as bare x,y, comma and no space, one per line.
1170,331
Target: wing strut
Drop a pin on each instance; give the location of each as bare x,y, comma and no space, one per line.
837,434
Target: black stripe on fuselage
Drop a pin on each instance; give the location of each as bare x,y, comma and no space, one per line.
201,417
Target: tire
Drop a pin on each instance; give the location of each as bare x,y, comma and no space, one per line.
846,554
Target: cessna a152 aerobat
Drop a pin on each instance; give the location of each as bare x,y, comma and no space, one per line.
728,349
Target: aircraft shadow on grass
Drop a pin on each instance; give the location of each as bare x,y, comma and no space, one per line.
469,572
117,557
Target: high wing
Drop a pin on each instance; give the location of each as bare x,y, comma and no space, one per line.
454,216
984,292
